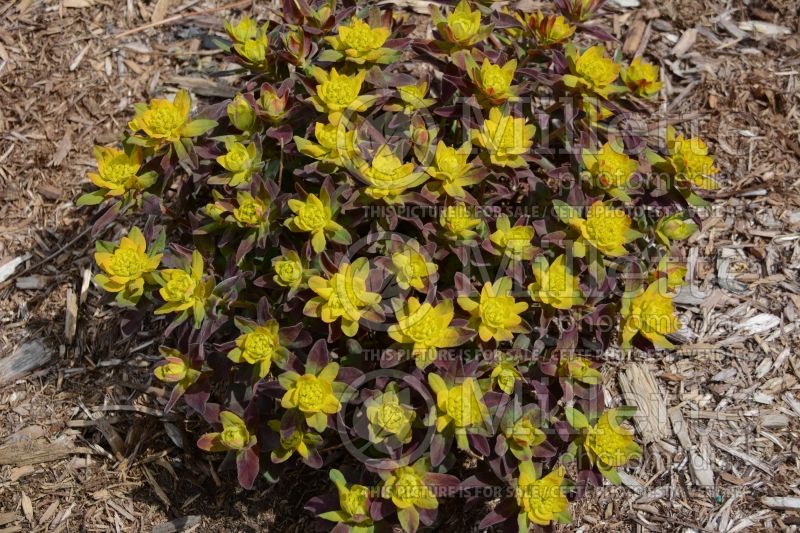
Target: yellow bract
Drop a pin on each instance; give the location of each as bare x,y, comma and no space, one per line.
240,161
452,170
411,268
300,441
245,29
541,500
336,93
118,171
241,114
124,266
505,375
426,328
388,417
458,222
253,50
652,314
514,242
579,369
343,296
234,435
524,433
591,71
494,81
505,138
606,228
360,42
315,217
641,77
407,489
388,178
548,29
163,120
554,284
462,404
608,444
690,160
289,271
251,211
611,169
184,290
496,315
259,346
464,25
312,395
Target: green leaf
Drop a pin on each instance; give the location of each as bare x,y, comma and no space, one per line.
198,127
330,56
575,418
92,198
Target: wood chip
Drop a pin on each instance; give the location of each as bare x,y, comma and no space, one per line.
160,11
7,269
31,453
685,43
27,357
179,524
787,503
71,320
639,388
64,146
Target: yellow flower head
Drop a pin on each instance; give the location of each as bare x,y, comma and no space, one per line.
555,285
353,503
259,345
458,222
360,42
234,435
336,93
176,368
426,328
241,114
411,268
289,270
299,441
254,50
496,314
343,296
462,26
548,30
505,374
652,314
118,172
313,395
125,265
505,138
413,98
406,487
591,71
641,78
579,369
606,228
452,170
461,405
608,444
388,178
313,216
611,169
250,211
388,417
163,120
674,228
514,242
690,161
523,433
337,144
494,82
243,30
542,500
240,161
184,290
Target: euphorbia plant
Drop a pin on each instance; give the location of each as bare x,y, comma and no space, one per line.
413,249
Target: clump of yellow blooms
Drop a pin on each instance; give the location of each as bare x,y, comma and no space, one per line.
126,266
337,93
611,169
343,296
388,178
313,216
411,268
459,222
641,78
496,315
650,313
494,82
425,328
234,435
335,144
505,138
541,500
452,170
555,284
591,71
605,228
312,394
361,43
514,242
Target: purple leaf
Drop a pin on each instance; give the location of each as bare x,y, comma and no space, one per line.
247,467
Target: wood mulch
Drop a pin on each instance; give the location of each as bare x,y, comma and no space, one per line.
84,444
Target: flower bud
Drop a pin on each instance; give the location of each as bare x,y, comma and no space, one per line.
242,114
